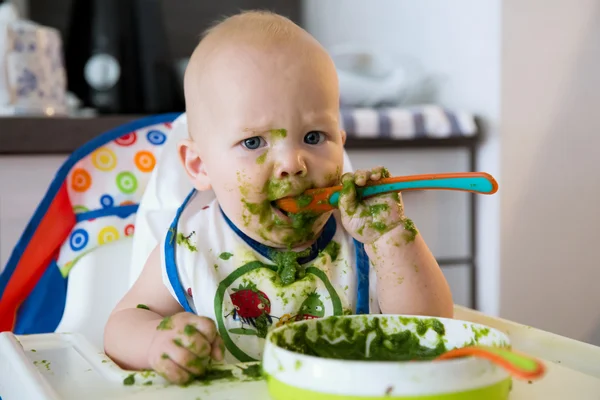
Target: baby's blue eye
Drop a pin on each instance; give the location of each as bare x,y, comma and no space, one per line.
253,143
314,137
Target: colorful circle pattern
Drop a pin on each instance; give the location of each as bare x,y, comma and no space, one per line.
107,201
79,239
145,161
127,182
156,137
104,159
127,140
129,230
81,180
108,234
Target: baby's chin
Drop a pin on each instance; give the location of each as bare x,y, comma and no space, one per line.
289,232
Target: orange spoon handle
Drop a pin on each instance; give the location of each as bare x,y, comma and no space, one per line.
518,365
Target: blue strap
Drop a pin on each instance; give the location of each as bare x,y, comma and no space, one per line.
43,309
170,260
322,241
120,211
362,273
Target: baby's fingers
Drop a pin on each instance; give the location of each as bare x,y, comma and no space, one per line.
361,177
194,341
171,370
205,326
218,349
348,201
186,359
378,173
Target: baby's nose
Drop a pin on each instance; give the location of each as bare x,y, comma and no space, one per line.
291,166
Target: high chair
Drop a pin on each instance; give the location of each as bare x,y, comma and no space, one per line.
78,254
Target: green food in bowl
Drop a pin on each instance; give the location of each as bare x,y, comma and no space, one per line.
371,356
345,339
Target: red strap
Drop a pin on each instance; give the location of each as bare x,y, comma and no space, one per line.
53,230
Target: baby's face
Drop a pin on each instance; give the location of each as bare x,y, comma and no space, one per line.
274,132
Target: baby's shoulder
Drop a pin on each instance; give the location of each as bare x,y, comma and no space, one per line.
200,213
201,228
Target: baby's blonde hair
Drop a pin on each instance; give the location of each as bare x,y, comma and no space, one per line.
256,23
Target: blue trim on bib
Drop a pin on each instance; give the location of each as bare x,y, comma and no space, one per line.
170,260
362,274
322,241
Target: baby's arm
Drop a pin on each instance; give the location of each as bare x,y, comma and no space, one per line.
149,330
409,280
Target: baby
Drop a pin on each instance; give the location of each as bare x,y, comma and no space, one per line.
262,105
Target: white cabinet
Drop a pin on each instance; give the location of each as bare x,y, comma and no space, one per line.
23,182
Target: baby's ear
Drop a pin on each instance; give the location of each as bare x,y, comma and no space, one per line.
343,133
193,164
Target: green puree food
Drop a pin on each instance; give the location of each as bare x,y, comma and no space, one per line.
253,371
288,267
340,338
215,374
303,200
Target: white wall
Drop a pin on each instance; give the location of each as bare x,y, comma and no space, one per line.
551,187
531,70
456,42
22,6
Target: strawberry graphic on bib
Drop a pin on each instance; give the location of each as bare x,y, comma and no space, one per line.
252,307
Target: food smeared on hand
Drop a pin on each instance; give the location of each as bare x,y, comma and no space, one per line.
165,325
411,230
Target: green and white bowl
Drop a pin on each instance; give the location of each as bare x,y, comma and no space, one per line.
298,359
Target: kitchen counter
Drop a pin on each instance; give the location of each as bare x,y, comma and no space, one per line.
58,135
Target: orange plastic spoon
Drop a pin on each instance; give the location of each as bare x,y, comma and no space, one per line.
326,199
518,365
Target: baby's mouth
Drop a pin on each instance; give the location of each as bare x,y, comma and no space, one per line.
279,210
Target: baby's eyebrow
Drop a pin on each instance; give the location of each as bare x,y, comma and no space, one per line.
321,117
264,131
254,130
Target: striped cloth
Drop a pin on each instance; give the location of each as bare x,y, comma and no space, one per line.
421,122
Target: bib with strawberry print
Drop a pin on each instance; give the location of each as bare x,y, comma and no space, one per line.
215,270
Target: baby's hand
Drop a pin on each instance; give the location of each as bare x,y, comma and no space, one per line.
367,220
183,346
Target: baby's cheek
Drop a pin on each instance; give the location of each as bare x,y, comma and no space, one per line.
323,177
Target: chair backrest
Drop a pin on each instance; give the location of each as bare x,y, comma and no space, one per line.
96,284
91,202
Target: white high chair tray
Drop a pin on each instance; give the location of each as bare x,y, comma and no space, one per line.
63,366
